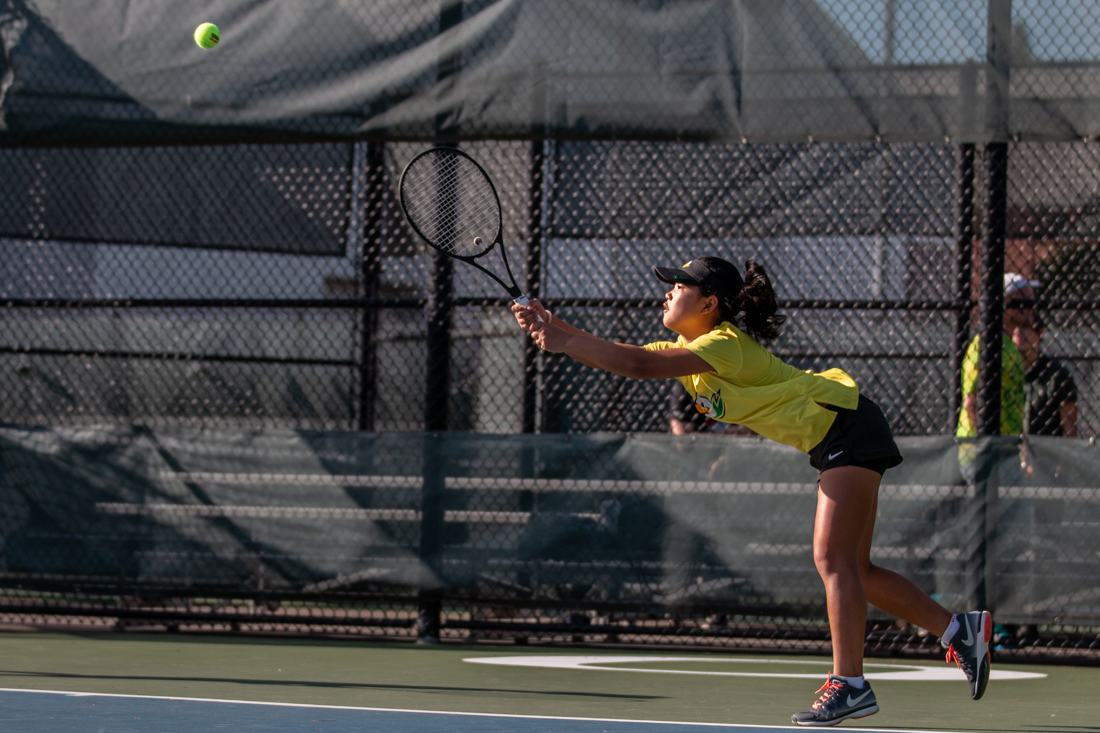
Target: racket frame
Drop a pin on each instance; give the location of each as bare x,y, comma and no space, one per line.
513,289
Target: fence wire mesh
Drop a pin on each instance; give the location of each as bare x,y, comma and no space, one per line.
286,292
289,291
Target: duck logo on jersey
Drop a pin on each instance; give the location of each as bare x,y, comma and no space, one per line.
713,408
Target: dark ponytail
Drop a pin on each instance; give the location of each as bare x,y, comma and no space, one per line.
759,306
748,303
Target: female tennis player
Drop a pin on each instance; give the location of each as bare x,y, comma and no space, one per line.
724,323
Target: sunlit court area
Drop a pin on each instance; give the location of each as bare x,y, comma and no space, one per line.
549,367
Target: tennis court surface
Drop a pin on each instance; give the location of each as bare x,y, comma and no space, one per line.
182,683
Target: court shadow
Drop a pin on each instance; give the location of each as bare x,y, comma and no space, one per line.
328,685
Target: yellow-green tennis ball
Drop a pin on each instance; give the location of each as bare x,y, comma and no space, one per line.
207,35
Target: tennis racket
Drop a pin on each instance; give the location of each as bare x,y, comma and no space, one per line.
449,200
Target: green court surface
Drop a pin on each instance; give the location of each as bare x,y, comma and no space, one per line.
678,685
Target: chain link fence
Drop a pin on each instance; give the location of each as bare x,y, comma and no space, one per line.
261,279
322,323
301,298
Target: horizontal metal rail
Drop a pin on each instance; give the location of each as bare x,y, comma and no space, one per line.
173,356
217,617
348,363
327,303
468,301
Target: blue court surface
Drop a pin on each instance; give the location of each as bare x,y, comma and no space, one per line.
49,712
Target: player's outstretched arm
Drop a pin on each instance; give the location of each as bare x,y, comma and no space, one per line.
623,359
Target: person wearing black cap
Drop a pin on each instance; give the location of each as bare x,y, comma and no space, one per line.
724,324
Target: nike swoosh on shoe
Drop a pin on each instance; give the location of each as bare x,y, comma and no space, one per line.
852,702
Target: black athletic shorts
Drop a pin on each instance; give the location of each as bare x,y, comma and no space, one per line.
859,437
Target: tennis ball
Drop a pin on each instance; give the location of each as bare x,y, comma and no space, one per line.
207,35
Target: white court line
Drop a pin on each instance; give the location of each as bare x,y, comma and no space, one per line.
904,673
737,726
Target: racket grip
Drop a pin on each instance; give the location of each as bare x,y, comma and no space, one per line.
522,300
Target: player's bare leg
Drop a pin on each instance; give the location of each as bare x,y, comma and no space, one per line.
899,597
847,497
845,506
896,594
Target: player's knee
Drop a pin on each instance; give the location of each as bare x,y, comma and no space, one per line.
831,560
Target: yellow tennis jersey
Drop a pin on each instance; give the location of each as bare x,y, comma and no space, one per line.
751,386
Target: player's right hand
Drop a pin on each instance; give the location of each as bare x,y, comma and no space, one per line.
550,338
528,316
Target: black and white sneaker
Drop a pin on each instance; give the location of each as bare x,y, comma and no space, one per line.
839,701
969,649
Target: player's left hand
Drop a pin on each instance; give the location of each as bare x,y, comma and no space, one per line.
529,316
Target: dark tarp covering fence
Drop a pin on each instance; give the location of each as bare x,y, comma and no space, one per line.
117,72
342,528
183,197
208,244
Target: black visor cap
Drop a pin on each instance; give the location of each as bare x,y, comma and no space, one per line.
693,273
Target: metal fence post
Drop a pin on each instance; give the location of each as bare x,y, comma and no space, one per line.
373,198
438,380
990,363
440,317
991,292
441,294
431,542
964,248
436,403
536,225
534,277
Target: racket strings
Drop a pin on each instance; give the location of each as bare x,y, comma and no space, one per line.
451,202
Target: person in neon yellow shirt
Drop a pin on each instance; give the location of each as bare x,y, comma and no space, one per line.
1013,373
1013,393
724,323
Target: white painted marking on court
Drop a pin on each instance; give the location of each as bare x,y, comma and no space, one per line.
897,673
735,726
